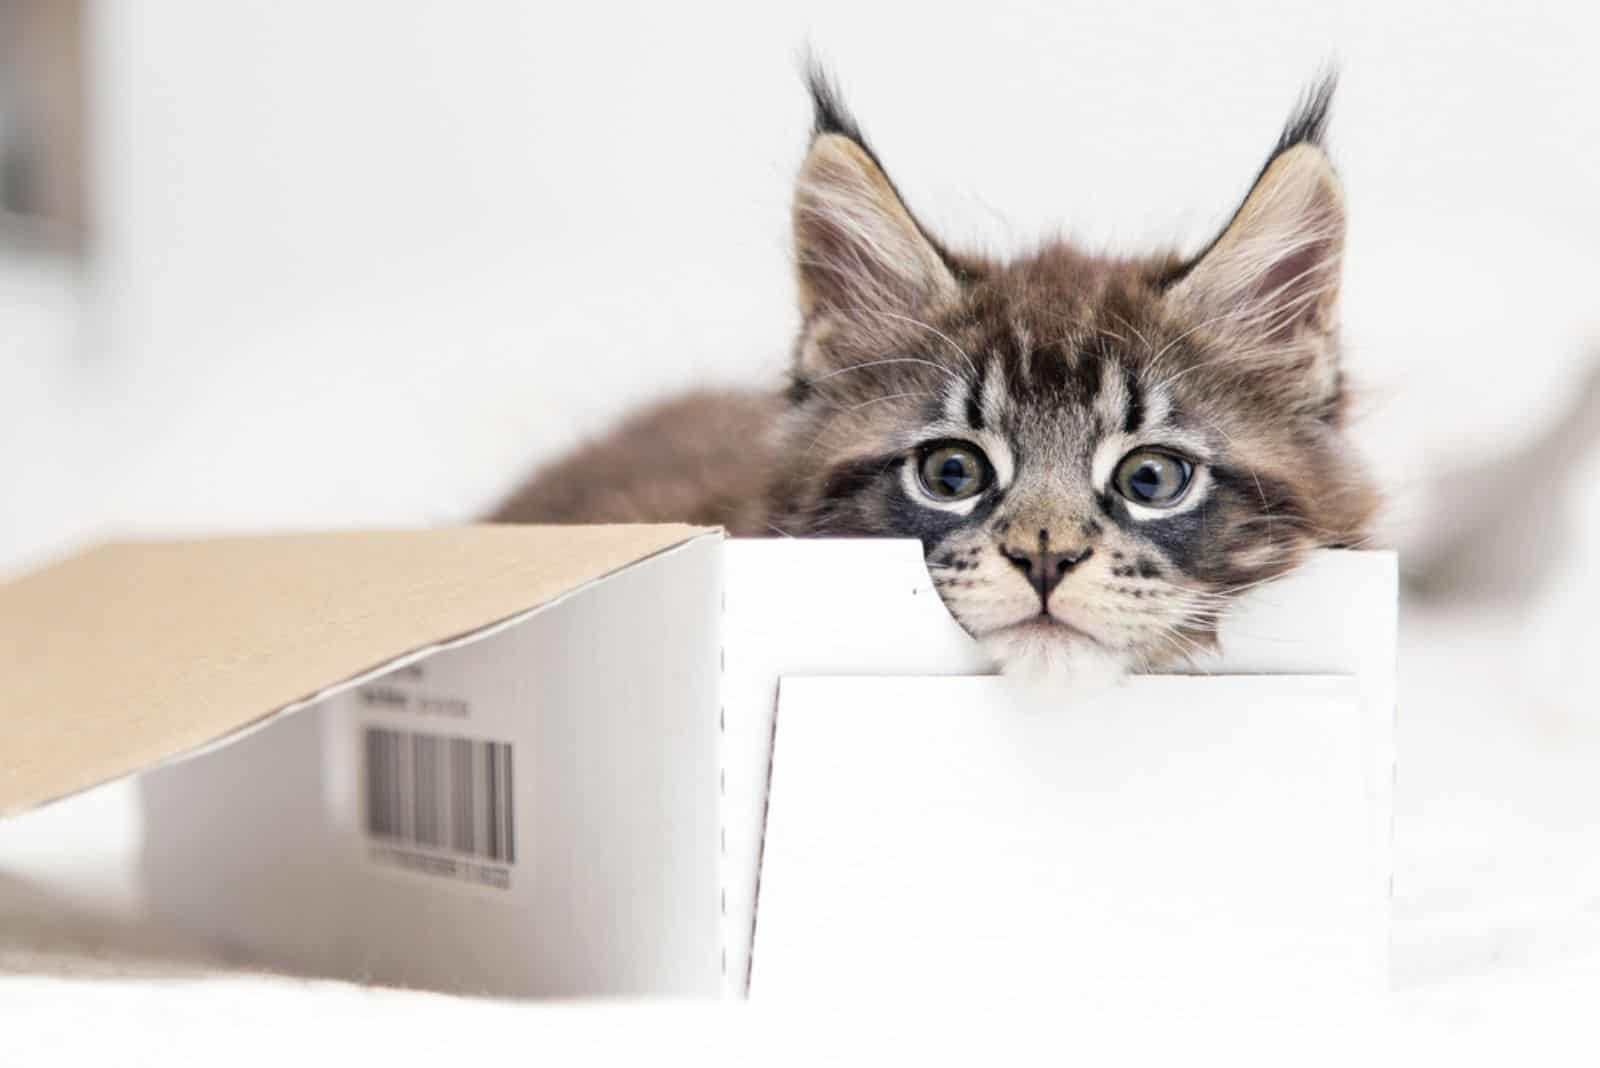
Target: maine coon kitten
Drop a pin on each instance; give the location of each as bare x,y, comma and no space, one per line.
1097,454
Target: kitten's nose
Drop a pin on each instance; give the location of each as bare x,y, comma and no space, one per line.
1045,569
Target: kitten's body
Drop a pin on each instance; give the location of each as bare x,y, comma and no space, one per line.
703,458
1097,454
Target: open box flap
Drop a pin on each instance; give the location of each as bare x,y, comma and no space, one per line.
133,653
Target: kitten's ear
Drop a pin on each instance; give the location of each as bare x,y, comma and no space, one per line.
1276,267
858,251
1272,277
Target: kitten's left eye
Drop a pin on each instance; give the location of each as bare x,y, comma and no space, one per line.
1153,478
953,470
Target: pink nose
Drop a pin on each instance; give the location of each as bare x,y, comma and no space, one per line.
1045,569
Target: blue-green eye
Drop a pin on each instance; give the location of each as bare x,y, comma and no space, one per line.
1153,478
953,471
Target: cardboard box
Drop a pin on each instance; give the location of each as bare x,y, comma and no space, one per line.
535,761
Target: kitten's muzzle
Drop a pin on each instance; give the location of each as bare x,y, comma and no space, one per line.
1045,569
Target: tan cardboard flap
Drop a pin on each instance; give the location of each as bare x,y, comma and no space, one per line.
131,653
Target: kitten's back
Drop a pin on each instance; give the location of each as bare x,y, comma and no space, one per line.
701,458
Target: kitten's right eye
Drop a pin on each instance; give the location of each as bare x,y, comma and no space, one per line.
953,470
1153,477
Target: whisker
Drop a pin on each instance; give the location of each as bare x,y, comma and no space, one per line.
938,333
888,397
888,360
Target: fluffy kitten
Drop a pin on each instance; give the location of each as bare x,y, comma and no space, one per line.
1097,454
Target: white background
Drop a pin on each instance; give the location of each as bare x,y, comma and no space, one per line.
362,263
366,261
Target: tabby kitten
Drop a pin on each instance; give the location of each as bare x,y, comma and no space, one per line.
1097,454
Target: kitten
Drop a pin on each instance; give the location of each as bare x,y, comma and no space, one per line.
1097,454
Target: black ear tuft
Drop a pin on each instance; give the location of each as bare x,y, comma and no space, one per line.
829,114
1309,122
844,196
1307,125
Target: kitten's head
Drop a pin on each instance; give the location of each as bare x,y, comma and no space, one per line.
1097,454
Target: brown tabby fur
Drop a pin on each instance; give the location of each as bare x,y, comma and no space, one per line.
1054,366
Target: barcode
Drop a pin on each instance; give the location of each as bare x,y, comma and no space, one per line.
452,794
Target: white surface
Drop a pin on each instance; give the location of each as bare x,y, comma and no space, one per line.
262,1021
938,839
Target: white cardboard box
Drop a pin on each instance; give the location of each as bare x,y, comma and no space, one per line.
1138,845
526,761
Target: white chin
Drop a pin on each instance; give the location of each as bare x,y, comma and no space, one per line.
1055,666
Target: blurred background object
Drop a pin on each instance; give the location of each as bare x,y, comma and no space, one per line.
274,264
42,110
